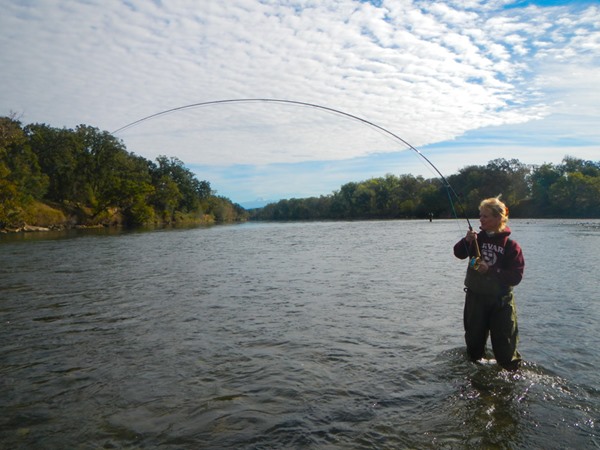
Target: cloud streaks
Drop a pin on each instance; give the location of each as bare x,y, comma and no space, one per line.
431,72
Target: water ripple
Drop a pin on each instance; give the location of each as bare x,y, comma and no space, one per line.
323,335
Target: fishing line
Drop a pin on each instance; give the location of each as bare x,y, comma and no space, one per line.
385,131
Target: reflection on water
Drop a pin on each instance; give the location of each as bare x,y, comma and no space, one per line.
321,335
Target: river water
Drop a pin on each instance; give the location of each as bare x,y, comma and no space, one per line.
338,335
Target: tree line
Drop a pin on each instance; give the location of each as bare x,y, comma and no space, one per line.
90,175
570,189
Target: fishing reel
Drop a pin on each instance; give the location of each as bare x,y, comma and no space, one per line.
474,262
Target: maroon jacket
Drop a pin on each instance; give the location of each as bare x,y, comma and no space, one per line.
504,258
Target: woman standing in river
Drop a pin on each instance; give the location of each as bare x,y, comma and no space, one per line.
496,266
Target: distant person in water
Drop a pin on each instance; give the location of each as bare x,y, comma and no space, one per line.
496,265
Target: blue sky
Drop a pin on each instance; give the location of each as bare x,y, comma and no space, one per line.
464,81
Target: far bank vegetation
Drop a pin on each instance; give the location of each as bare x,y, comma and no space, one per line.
567,190
63,178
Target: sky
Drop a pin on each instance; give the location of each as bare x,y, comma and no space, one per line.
461,81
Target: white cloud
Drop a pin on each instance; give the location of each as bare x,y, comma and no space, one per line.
428,71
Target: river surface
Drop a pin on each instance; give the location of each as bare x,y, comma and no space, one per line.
338,335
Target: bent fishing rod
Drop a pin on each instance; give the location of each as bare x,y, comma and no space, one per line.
447,185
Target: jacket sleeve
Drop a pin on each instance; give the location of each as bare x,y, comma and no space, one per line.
511,272
461,249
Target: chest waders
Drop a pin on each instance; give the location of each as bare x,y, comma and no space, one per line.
490,311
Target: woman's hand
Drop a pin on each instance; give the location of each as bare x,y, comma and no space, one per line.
471,236
483,267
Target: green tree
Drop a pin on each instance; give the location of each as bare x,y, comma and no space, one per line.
466,184
21,179
434,200
510,177
576,195
499,176
57,151
193,192
133,189
100,161
10,131
571,164
541,179
166,197
342,203
223,210
364,200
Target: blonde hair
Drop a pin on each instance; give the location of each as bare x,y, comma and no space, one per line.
497,208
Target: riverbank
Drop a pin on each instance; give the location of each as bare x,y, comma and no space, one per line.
44,217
